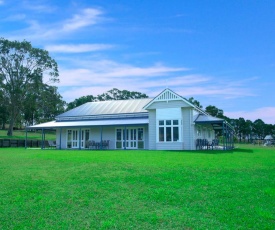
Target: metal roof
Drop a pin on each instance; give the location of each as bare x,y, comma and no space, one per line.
201,118
217,123
107,107
268,137
115,122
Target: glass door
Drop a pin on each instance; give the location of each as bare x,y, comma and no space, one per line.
85,136
75,140
131,138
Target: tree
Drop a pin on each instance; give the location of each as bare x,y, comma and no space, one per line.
3,110
113,94
259,128
80,101
44,106
195,102
116,94
214,111
21,67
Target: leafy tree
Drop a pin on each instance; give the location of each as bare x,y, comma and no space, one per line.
214,111
3,110
259,128
43,106
80,101
21,66
249,130
113,94
195,102
116,94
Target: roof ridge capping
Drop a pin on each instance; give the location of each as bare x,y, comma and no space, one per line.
130,99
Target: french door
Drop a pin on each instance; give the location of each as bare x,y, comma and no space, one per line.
73,138
129,138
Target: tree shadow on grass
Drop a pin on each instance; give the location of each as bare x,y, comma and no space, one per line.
231,151
239,150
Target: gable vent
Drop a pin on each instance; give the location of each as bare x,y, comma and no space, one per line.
167,96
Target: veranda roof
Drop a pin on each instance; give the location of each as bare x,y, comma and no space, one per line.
217,123
268,137
72,124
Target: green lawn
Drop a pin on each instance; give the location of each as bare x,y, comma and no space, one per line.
60,189
21,134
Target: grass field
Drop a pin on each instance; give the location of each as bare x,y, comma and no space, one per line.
20,134
60,189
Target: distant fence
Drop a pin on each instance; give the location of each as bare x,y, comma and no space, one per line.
21,143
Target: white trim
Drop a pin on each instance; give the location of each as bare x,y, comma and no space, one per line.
128,142
172,126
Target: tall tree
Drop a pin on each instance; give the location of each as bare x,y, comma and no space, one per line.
259,128
80,101
3,110
44,106
21,65
195,102
214,111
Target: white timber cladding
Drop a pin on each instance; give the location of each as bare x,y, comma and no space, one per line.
187,132
168,114
152,129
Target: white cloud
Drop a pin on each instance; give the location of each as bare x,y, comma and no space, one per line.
1,2
54,31
89,16
109,72
267,114
80,48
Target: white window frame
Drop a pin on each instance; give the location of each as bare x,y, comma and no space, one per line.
179,125
129,142
75,142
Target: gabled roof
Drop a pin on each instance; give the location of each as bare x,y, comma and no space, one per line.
101,108
169,95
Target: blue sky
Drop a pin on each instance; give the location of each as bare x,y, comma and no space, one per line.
221,53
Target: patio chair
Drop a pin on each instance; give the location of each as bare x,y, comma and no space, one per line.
92,145
215,143
198,144
105,144
52,144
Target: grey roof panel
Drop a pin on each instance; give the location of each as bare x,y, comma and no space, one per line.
201,118
108,107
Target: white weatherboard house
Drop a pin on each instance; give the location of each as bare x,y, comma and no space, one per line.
166,122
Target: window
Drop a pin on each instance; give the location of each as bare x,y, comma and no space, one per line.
168,130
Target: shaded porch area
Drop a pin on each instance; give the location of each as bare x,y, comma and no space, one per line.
97,134
224,132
